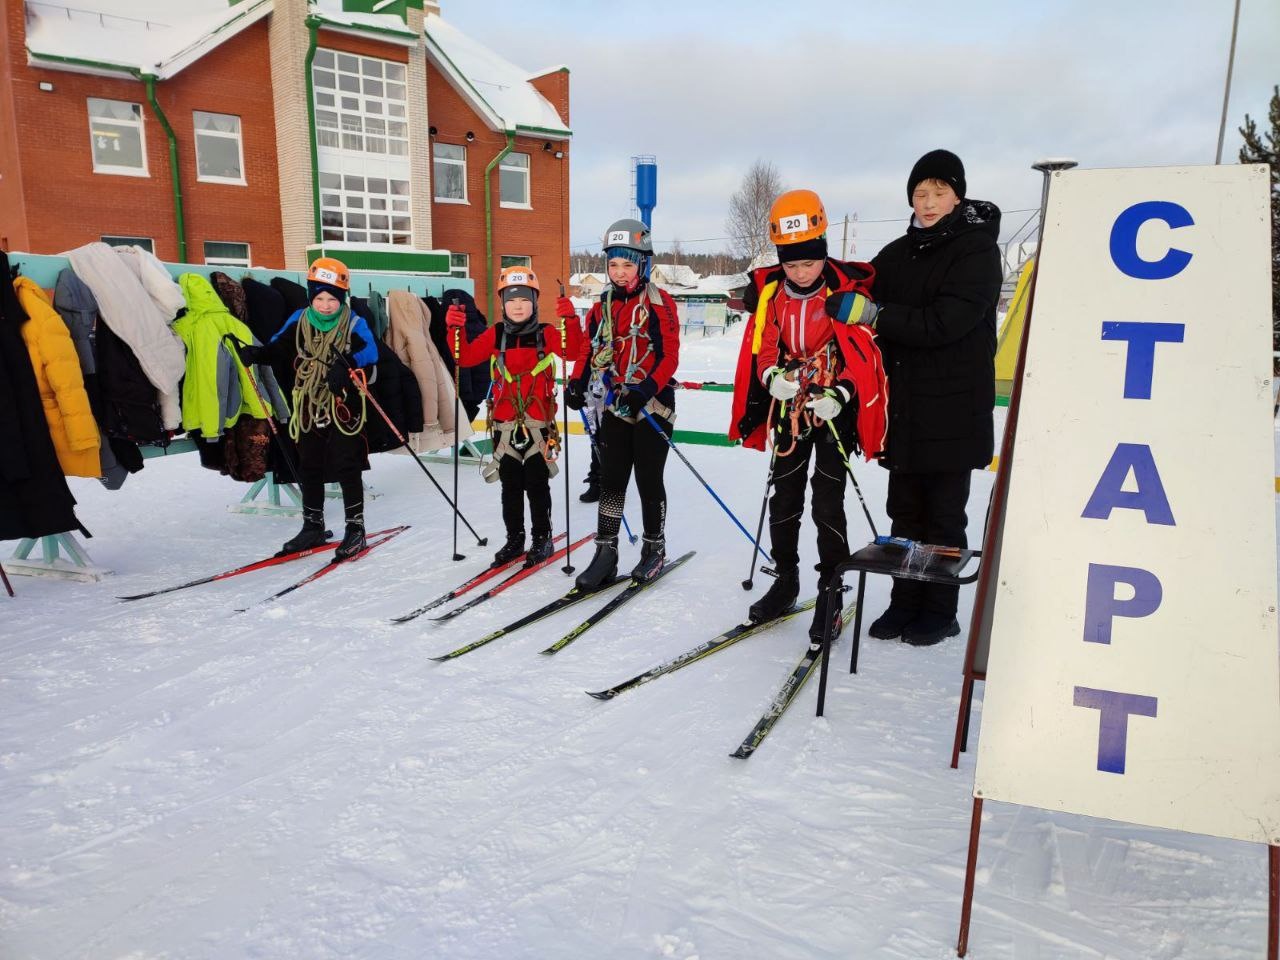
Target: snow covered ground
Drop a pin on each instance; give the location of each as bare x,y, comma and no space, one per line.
300,781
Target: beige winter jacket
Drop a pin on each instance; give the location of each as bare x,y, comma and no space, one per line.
409,336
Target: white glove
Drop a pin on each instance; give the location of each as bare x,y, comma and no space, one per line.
779,386
829,404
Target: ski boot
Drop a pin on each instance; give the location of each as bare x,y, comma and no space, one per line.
511,549
312,534
779,598
540,549
653,554
592,493
823,615
603,566
352,542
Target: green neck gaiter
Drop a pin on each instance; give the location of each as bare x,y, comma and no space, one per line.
325,324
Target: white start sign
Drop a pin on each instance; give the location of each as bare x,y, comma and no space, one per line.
1135,667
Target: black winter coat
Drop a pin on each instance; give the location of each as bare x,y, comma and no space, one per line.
34,498
395,387
937,289
473,382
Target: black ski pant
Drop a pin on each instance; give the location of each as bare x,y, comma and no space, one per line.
352,500
521,478
626,446
786,505
929,508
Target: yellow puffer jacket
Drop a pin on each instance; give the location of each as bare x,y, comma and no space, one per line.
66,405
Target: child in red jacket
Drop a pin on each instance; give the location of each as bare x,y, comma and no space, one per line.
814,383
522,406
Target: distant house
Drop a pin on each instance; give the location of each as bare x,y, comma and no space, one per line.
587,284
671,276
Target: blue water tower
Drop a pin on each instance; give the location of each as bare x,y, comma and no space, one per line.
646,187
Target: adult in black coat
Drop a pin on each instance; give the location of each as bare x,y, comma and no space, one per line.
936,289
34,498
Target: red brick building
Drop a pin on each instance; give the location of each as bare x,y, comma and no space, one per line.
292,126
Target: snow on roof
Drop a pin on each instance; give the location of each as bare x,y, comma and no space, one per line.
495,88
578,279
723,283
675,274
767,257
159,37
331,12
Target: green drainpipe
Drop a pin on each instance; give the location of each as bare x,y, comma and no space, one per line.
178,215
313,27
488,217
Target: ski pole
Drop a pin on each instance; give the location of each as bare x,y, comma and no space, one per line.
748,583
271,421
715,496
568,567
357,378
586,424
457,430
844,458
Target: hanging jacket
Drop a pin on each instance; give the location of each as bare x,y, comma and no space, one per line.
473,381
409,336
937,290
79,311
133,313
34,498
396,390
216,390
231,294
57,368
523,371
859,367
642,329
294,294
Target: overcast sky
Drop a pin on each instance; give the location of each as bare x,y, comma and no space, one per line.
843,96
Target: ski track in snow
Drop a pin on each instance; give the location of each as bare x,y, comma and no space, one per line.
300,781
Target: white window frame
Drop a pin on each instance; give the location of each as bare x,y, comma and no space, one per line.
514,260
147,243
465,198
464,266
238,137
228,261
111,169
526,171
354,199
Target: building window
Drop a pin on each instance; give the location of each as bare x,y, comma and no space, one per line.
218,253
357,209
362,141
219,151
144,242
459,264
513,180
516,262
449,171
116,135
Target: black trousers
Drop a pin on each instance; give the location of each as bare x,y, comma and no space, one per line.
625,447
521,478
786,505
327,455
930,508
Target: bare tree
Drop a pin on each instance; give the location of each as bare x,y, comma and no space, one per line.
748,220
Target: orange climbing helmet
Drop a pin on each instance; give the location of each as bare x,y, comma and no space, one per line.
329,271
796,216
518,277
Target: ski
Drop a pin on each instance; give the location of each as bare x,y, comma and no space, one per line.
332,565
479,578
270,561
632,588
786,694
555,606
512,580
700,652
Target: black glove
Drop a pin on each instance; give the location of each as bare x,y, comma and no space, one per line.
339,375
630,402
575,395
250,354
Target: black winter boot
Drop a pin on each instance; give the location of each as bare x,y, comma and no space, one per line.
930,628
603,566
890,624
312,534
511,549
653,554
541,548
352,542
778,599
822,615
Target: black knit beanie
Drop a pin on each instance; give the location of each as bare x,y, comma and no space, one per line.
938,165
814,249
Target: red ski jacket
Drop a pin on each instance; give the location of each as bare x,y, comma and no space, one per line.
644,338
521,379
861,368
